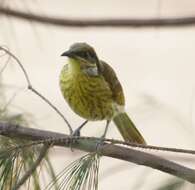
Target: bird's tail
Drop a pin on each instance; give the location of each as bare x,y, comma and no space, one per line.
128,129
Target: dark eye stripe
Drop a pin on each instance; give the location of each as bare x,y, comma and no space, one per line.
87,55
83,54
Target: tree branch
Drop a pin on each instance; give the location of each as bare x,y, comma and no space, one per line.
63,22
90,144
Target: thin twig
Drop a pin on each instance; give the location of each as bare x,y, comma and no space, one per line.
68,22
30,87
151,147
54,107
19,63
6,62
89,144
42,154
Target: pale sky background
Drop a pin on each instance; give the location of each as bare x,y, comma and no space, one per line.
155,66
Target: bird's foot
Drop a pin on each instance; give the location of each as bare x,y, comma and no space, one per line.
101,140
100,143
72,141
76,133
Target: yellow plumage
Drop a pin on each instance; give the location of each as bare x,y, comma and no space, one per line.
88,96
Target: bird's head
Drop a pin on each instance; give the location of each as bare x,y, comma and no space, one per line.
83,54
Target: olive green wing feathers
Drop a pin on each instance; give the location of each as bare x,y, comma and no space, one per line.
113,82
123,122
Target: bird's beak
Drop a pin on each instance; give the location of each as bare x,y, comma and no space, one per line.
68,53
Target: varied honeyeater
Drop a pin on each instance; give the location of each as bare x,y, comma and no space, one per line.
93,91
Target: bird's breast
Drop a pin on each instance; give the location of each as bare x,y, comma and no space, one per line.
90,97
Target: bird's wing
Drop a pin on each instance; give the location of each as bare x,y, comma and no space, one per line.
113,82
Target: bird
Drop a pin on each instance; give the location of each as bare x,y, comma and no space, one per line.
92,90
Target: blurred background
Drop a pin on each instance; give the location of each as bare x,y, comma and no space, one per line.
154,64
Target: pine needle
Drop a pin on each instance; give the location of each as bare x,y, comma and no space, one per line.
15,161
82,174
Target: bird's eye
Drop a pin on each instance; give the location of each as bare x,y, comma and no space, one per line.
82,54
88,56
85,55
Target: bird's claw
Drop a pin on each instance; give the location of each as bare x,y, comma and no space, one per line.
76,133
100,143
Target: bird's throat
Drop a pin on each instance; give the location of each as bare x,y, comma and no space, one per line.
74,65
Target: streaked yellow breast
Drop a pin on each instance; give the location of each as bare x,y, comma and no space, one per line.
88,96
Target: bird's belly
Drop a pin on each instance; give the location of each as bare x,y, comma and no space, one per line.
88,97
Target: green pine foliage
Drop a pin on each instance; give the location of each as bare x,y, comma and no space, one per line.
82,174
14,161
